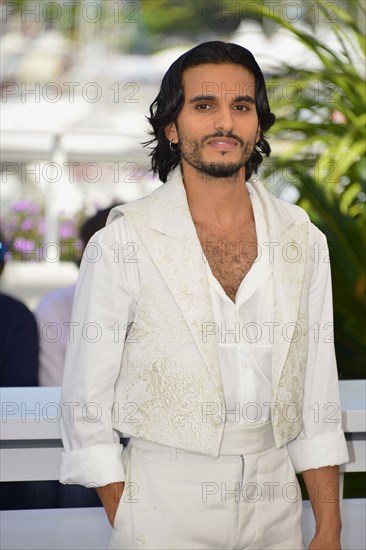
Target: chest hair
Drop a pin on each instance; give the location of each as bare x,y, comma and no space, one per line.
230,254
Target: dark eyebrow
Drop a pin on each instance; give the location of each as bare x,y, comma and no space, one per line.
197,98
247,98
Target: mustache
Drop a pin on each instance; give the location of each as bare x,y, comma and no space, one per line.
224,135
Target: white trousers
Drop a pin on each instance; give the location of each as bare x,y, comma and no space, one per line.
248,497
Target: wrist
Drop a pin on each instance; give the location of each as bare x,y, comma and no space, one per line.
329,527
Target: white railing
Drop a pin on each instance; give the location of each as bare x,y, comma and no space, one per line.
31,449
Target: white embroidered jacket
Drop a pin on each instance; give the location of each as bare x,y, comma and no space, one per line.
168,381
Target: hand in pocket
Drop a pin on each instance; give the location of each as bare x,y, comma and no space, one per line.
110,496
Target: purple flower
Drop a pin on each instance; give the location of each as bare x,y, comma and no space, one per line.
24,245
67,231
27,224
25,206
21,206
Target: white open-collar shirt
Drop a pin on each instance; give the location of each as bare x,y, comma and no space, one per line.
243,332
244,336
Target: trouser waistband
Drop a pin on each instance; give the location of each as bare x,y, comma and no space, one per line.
247,439
237,440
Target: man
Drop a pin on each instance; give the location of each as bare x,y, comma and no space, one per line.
204,294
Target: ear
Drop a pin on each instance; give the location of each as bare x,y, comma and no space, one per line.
171,133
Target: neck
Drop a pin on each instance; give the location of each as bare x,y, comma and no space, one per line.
223,202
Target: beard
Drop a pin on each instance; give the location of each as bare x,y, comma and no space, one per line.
191,152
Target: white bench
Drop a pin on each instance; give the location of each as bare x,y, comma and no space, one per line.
31,450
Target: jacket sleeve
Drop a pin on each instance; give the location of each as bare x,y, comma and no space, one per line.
321,441
104,304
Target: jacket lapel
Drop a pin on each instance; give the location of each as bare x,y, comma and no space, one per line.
288,242
176,251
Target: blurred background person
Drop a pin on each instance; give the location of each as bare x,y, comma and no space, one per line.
53,314
18,338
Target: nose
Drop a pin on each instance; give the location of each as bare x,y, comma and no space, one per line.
224,119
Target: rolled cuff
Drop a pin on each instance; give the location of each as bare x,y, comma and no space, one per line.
93,466
325,450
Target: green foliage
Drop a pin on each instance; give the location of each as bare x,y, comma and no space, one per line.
165,16
193,17
322,123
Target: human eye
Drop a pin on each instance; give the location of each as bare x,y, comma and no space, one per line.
241,107
203,106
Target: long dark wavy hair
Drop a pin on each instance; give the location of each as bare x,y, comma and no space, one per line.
167,105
